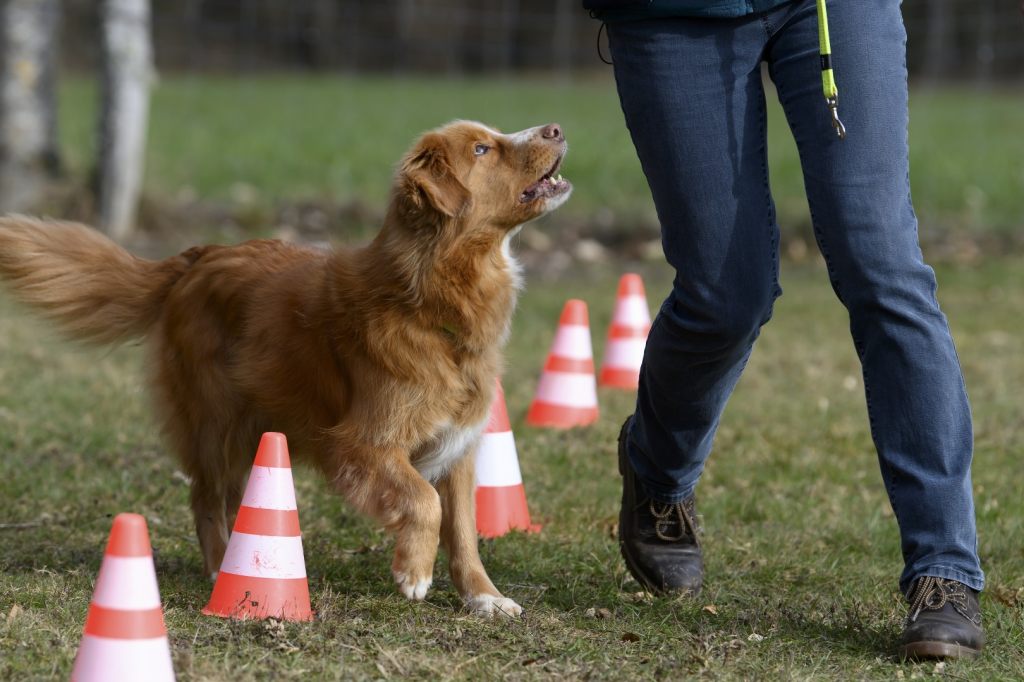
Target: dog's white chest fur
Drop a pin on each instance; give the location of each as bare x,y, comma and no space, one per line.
448,445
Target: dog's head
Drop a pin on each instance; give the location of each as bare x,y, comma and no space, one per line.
467,171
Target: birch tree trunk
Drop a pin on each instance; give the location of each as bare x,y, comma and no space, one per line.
127,58
28,104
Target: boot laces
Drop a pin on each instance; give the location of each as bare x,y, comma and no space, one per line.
668,516
932,594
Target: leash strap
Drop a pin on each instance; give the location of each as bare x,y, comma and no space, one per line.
828,78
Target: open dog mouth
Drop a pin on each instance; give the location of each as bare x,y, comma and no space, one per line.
549,184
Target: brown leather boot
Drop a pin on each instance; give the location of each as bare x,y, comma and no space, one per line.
658,541
944,621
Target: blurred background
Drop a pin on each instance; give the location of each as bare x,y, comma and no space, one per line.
976,40
167,121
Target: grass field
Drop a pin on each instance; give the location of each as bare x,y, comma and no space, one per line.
267,139
802,549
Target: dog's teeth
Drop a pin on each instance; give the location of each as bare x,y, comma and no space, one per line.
553,181
559,178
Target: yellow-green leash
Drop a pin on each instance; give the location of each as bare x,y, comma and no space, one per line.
828,78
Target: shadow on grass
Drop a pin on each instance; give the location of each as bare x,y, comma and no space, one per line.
51,550
853,639
593,587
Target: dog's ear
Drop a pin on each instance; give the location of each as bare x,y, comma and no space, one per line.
428,178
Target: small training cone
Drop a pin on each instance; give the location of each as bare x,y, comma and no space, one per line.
627,337
500,496
124,637
263,574
567,393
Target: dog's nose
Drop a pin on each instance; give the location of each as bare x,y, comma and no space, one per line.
552,131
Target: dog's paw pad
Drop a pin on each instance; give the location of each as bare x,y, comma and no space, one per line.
489,605
412,588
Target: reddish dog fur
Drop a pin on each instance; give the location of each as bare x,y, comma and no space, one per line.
378,363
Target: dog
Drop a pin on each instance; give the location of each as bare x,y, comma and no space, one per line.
379,363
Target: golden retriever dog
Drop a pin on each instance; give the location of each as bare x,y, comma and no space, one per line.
378,363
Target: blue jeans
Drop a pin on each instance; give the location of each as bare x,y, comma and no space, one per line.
694,102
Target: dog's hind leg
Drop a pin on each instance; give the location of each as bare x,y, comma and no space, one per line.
209,512
215,484
240,447
384,485
458,534
218,490
233,498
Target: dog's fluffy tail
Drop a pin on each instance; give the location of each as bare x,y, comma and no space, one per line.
91,287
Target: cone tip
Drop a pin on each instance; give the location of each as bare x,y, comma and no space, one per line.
129,536
631,284
273,451
575,312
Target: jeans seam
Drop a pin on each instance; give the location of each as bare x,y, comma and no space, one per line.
887,473
773,231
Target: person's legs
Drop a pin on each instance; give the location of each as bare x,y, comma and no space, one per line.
693,100
859,194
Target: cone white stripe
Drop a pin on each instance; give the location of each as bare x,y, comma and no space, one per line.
497,462
270,488
572,341
264,556
567,389
624,353
127,583
632,311
123,660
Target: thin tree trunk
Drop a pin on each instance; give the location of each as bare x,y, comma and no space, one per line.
29,156
127,55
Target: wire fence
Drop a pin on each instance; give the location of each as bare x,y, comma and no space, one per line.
979,41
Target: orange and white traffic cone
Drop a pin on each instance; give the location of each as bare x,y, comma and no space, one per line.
567,393
627,336
500,496
263,574
124,637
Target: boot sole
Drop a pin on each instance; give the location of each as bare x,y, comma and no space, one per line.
930,649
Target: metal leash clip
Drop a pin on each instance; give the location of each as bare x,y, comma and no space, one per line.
833,107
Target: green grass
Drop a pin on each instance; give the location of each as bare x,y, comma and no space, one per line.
269,139
802,549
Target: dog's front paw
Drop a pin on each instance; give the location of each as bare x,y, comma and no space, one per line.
414,588
489,605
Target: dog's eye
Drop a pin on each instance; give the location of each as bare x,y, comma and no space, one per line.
481,149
